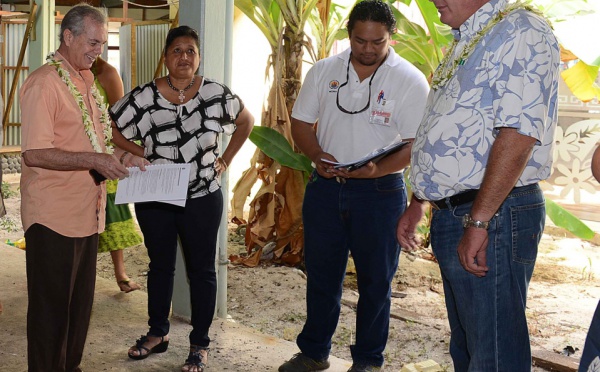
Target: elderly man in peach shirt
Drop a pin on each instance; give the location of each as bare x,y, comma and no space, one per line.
66,152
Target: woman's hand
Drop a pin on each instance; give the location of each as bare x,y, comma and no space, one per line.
220,166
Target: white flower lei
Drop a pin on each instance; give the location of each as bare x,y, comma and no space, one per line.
88,123
448,68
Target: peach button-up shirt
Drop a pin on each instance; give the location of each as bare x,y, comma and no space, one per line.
67,202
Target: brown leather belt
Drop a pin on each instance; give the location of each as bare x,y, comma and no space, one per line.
455,200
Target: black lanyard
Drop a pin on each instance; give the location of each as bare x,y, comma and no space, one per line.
337,96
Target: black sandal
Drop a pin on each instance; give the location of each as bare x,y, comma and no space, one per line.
195,359
139,345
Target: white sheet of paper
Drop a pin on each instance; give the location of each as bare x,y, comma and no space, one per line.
167,183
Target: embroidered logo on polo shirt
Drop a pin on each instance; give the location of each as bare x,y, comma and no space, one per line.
334,85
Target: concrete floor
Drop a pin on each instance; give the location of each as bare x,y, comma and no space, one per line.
118,319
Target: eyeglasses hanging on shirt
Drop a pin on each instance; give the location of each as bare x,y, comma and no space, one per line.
337,96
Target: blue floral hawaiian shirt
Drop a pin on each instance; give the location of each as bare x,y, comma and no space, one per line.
510,80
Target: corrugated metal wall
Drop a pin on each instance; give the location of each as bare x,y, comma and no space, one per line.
150,42
13,38
125,56
141,46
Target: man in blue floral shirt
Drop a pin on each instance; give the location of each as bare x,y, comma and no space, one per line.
484,144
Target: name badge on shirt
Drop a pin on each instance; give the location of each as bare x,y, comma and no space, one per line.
381,111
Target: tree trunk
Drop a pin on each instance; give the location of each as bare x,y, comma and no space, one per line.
292,73
276,211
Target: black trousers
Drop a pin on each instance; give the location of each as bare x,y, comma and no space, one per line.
196,225
61,276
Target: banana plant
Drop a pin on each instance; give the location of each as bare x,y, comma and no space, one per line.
276,210
423,47
328,26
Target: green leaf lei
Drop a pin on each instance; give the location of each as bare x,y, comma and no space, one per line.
447,67
88,123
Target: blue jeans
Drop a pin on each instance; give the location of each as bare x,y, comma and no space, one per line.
487,315
591,350
357,217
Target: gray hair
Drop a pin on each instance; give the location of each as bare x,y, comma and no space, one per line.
74,19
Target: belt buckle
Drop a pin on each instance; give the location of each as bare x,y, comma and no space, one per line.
340,180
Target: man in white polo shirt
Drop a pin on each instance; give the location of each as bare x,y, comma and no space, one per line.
362,99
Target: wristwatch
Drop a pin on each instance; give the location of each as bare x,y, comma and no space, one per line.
468,221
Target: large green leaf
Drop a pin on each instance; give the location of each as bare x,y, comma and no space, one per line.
440,33
420,46
407,27
420,54
563,218
275,146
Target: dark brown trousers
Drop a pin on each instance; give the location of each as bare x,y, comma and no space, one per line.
61,276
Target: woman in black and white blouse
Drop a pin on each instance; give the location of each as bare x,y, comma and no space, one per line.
178,118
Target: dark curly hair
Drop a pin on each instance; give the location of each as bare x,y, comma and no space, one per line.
374,11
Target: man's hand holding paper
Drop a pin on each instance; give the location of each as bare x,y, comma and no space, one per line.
130,160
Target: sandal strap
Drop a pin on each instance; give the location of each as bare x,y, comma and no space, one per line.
139,349
195,358
195,361
139,344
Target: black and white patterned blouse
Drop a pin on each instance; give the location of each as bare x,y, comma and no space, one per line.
184,133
